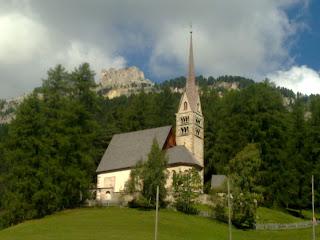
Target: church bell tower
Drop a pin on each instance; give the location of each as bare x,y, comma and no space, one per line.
189,119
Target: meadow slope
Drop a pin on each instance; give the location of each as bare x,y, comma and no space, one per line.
130,224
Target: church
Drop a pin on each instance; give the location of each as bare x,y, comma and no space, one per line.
184,144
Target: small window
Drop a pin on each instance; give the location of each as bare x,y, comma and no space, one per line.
185,106
184,130
184,120
198,132
198,107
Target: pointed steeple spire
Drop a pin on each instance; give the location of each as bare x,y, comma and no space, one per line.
191,88
191,75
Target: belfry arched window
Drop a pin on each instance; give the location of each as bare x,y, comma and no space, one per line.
185,106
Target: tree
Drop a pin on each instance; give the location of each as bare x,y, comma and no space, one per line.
155,174
297,171
51,146
186,189
134,184
312,144
147,177
244,175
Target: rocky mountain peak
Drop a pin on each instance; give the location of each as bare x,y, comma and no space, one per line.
123,78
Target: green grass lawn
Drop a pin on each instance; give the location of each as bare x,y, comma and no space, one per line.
203,207
308,214
130,224
267,215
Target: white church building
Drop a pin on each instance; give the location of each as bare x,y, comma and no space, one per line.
184,147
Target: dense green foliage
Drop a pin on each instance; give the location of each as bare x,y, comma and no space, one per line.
210,81
50,151
147,176
186,189
130,224
244,177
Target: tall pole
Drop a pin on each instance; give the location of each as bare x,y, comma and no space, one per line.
313,216
157,207
229,210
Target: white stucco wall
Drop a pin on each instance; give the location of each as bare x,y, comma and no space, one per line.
121,177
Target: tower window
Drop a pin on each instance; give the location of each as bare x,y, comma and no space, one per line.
184,130
198,132
185,106
198,107
184,120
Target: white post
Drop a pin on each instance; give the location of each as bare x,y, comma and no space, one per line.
313,215
156,223
229,210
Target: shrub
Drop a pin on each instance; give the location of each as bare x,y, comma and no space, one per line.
186,188
220,210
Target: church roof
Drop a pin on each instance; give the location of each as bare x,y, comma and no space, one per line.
126,149
180,155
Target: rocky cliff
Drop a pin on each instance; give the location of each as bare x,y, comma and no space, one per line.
8,108
114,83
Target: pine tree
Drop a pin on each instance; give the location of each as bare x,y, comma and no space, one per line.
154,174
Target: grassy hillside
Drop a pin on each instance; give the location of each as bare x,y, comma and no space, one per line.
130,224
267,215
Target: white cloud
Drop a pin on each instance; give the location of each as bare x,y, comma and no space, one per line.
248,37
298,78
78,53
21,38
28,48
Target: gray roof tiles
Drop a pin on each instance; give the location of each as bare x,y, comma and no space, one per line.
181,155
126,149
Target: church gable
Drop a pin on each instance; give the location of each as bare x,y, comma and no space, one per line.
184,105
170,141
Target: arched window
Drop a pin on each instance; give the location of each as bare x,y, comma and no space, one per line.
198,131
108,195
185,106
198,107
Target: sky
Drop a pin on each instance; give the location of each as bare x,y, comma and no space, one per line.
274,39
